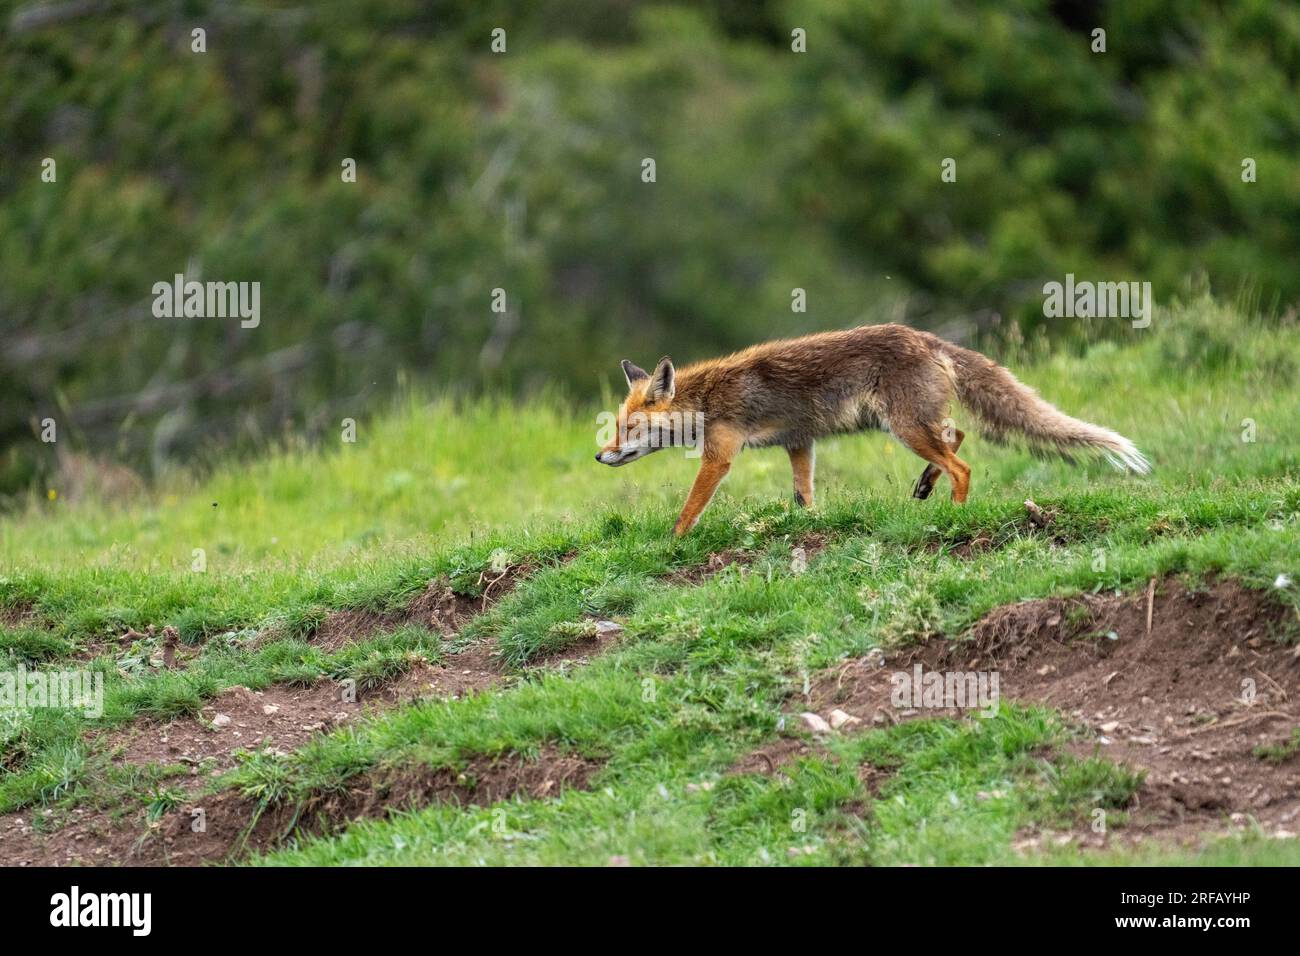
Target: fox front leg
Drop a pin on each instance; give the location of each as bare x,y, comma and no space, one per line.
706,483
719,448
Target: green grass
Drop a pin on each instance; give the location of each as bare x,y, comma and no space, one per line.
1280,753
702,669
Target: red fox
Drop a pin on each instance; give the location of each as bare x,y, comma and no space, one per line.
792,392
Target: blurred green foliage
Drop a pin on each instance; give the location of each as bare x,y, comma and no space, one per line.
522,171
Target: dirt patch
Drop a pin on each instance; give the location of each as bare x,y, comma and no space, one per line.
475,669
873,778
234,827
282,718
157,647
279,718
228,825
716,562
775,755
438,608
1187,701
1036,522
594,636
812,544
18,615
965,549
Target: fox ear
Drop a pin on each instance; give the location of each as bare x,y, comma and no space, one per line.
663,384
633,374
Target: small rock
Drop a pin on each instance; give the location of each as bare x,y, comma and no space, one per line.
270,709
221,720
606,629
839,719
815,723
1036,514
1110,726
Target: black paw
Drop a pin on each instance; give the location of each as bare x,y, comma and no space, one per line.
923,487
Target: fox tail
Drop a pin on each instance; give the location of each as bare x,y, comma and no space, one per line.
1006,406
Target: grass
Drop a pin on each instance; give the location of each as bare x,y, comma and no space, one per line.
443,490
1280,753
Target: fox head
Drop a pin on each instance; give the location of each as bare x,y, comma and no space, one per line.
644,419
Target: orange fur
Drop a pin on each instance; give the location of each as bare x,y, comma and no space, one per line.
891,377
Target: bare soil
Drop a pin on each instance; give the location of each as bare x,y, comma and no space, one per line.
438,608
17,615
227,825
279,718
282,718
1187,701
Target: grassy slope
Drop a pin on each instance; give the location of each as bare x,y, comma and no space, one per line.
699,677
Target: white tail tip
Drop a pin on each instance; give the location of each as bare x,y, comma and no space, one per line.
1123,454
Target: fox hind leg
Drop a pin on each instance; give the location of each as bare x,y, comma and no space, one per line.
802,463
925,484
927,441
